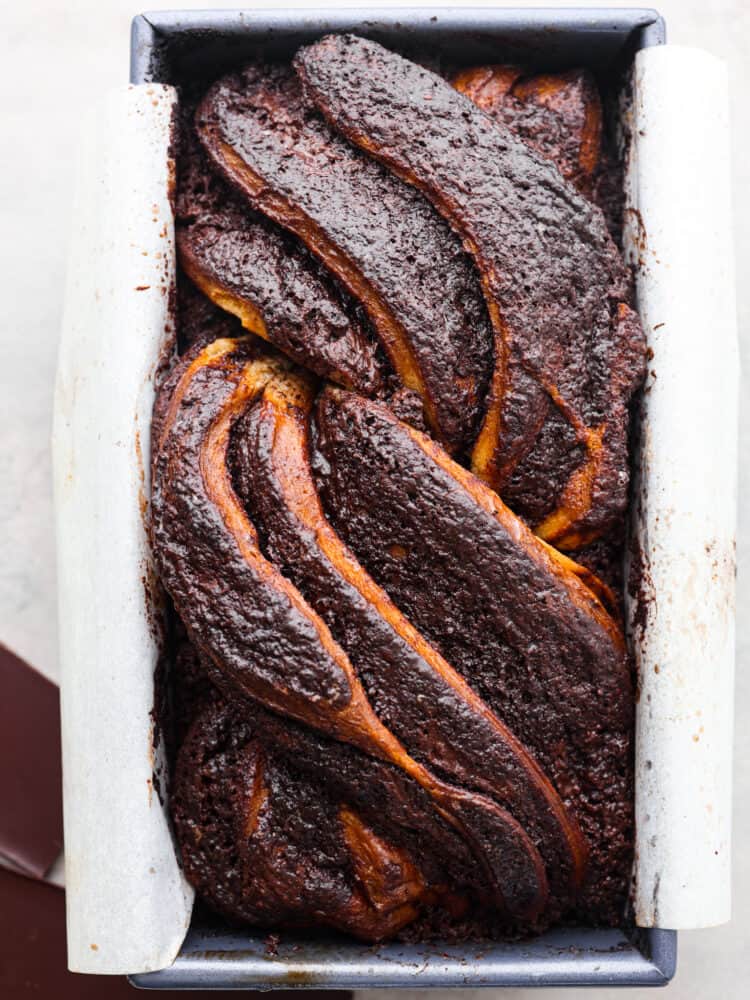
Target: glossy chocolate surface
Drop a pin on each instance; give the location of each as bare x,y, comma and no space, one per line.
266,278
500,606
551,274
412,689
381,238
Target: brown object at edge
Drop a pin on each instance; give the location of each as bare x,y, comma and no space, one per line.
31,825
33,962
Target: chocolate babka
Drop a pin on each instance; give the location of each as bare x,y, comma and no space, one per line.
407,360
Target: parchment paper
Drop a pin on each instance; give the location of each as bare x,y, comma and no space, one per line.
679,236
128,904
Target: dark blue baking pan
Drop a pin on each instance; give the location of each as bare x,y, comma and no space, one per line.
178,47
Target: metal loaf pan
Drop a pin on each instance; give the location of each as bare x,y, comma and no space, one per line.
178,47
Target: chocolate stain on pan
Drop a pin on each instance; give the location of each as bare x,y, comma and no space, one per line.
640,249
155,607
655,900
641,588
639,235
172,148
723,558
142,499
156,612
155,604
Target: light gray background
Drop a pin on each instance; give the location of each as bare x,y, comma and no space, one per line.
54,57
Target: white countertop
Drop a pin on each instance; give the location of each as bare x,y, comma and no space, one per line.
83,47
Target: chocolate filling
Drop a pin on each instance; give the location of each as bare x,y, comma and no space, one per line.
552,277
413,690
381,238
268,280
255,626
502,607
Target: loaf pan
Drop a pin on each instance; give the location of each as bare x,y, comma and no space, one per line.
179,46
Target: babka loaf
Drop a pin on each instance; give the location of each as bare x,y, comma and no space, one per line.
407,357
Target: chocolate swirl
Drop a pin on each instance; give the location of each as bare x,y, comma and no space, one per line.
404,712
